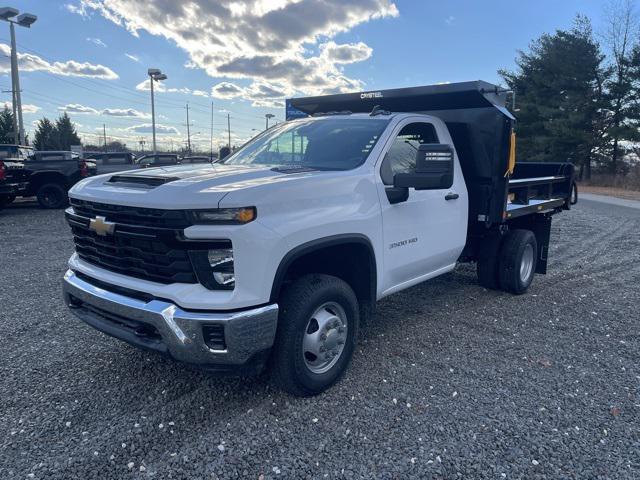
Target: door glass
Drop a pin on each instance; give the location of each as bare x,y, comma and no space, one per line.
401,156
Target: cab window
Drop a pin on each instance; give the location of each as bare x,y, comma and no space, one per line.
401,156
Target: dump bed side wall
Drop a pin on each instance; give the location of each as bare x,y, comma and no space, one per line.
481,137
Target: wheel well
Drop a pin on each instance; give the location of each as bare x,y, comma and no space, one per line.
38,179
351,260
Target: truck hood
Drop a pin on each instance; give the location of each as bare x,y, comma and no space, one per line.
179,187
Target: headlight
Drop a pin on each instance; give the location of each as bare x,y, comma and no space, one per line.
228,216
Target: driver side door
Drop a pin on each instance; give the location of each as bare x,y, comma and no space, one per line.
425,233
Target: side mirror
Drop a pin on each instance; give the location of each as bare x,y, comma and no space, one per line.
434,169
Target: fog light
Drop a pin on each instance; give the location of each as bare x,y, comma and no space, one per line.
221,263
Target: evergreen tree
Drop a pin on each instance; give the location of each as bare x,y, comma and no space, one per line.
559,91
6,126
66,132
46,136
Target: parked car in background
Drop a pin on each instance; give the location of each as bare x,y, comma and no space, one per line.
158,160
110,162
53,173
14,177
15,152
195,159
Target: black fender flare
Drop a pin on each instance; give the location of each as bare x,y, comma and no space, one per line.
319,244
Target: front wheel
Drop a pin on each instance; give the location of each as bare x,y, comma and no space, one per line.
52,195
6,200
317,333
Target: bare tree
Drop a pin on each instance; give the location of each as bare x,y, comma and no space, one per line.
620,37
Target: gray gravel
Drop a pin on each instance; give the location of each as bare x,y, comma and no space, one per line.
449,380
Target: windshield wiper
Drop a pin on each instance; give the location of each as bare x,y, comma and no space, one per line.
333,112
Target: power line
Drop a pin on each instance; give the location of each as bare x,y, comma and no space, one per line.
140,95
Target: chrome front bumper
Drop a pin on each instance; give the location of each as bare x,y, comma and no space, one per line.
163,326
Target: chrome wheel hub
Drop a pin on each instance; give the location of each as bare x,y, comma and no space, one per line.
324,337
526,265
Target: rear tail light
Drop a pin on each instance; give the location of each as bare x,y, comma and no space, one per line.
84,169
3,171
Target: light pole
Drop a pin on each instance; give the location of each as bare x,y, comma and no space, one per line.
154,74
267,116
24,20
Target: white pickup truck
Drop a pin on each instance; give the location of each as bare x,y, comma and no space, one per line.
277,255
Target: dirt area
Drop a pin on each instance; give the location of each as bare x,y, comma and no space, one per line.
611,191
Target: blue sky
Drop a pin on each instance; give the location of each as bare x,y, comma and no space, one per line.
246,56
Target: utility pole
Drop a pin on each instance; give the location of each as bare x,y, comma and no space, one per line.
154,75
188,132
16,86
104,136
24,20
211,136
229,129
267,117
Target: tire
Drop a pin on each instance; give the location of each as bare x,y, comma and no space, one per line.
6,200
294,368
518,256
52,195
487,266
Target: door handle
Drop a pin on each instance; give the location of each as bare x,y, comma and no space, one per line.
451,196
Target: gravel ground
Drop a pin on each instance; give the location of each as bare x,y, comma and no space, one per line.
449,380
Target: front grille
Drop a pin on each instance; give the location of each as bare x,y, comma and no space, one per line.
141,251
148,217
146,258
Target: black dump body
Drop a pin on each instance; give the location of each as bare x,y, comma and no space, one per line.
481,127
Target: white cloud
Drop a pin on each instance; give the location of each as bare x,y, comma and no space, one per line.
132,57
260,40
77,108
97,41
450,20
226,90
77,9
28,62
147,128
30,108
261,94
346,53
144,86
26,108
124,112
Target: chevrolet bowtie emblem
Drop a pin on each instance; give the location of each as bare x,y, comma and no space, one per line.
101,226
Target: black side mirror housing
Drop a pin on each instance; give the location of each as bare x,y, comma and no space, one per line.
434,169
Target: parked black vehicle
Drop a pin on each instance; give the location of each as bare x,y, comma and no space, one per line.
53,173
158,160
14,177
110,162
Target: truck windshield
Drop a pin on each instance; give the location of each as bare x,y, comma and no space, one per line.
317,143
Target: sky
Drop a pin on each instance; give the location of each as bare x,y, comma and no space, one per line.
90,57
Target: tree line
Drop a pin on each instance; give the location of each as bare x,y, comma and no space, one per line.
57,135
577,95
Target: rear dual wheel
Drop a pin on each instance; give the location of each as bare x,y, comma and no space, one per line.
509,262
